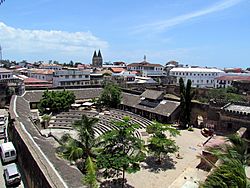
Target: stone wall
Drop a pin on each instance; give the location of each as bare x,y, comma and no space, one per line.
33,175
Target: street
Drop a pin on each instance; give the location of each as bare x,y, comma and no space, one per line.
1,175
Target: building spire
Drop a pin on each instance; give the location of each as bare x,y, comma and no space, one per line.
99,53
145,58
95,54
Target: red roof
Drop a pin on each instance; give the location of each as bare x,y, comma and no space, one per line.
34,81
117,70
232,78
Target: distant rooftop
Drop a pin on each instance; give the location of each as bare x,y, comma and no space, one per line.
233,78
238,108
152,94
196,69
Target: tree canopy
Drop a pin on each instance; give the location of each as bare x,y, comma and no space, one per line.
56,101
159,144
185,105
111,95
122,151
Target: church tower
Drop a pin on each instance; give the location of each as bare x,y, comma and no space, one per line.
97,59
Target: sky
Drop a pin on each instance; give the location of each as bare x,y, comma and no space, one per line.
214,33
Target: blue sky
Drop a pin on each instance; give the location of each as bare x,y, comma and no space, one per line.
194,32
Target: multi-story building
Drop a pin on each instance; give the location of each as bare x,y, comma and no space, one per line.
5,73
69,78
200,77
41,74
147,69
51,66
97,60
227,80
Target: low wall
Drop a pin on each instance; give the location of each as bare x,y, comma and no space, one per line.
33,175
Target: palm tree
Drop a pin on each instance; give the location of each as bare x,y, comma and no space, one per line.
86,133
83,148
46,119
234,158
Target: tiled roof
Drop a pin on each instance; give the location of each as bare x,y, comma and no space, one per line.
233,78
165,108
34,80
152,94
117,70
35,96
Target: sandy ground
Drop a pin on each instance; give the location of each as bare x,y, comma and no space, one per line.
177,173
174,173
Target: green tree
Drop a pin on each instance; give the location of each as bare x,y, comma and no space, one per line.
122,151
56,101
111,95
159,144
90,178
234,158
46,119
185,102
83,148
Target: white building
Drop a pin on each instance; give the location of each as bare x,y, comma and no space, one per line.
51,66
200,77
147,69
228,79
5,74
71,78
41,74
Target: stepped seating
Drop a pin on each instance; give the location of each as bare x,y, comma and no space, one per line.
66,119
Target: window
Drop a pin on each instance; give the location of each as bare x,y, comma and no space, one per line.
205,74
209,74
207,81
194,74
201,74
187,73
12,153
67,76
198,74
7,154
73,76
198,81
201,81
190,74
86,76
80,76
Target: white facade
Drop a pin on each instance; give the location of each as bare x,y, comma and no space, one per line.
147,69
5,74
71,78
200,77
227,79
41,74
51,66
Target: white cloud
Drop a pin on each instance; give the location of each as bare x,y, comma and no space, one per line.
165,24
48,44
